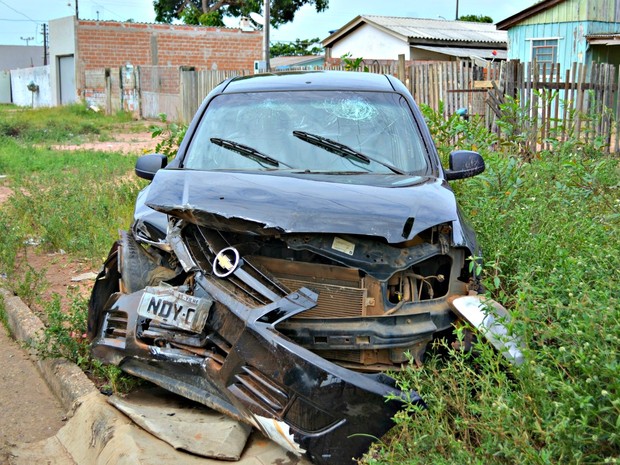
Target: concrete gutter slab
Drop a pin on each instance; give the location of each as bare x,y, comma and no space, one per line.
183,424
98,434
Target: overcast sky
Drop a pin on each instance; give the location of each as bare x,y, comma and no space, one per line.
22,19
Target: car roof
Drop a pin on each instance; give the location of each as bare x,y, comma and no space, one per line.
310,80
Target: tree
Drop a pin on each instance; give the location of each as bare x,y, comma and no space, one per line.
212,12
476,18
298,48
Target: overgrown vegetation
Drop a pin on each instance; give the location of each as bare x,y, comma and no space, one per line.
549,229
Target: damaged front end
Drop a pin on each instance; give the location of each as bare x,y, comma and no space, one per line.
290,332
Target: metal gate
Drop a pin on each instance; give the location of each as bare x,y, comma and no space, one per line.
66,77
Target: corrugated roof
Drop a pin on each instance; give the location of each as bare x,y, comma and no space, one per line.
438,29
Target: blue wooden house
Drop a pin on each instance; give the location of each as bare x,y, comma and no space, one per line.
565,32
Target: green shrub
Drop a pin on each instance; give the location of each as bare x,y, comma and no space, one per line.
169,136
455,133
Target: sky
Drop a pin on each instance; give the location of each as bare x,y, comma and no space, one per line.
21,20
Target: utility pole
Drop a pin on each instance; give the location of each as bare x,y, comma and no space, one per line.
457,10
27,39
44,33
266,14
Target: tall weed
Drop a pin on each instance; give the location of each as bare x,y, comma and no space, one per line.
65,337
457,133
169,136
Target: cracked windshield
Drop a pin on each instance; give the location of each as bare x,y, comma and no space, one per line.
327,132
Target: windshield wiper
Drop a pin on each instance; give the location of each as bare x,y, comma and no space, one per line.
340,149
248,152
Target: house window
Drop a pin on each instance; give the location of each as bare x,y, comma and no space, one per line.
544,51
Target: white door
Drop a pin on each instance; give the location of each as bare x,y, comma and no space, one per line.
66,77
5,87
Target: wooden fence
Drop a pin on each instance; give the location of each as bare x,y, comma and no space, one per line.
580,103
195,85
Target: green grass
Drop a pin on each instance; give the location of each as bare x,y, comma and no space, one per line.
4,320
549,231
75,201
56,124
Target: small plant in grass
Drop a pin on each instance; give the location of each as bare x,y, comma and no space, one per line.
3,317
29,284
65,332
65,337
170,134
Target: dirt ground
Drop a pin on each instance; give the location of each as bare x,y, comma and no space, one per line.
28,410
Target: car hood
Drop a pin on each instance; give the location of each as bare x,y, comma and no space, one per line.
390,207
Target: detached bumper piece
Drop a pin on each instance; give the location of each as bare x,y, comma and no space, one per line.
242,366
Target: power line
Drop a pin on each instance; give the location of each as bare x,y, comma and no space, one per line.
107,9
22,20
17,11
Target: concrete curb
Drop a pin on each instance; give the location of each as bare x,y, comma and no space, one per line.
65,379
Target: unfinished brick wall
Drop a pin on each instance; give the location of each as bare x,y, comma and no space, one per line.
108,44
111,58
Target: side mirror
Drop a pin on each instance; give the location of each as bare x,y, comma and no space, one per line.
464,164
148,165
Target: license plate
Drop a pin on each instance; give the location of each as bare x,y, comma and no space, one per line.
173,308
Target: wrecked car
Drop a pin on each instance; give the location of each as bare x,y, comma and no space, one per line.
303,242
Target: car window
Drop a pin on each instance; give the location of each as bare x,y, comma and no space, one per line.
298,130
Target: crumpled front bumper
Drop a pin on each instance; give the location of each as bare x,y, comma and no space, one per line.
300,400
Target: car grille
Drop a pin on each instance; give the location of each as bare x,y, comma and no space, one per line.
334,301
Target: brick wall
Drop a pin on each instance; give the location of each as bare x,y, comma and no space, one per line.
106,44
155,52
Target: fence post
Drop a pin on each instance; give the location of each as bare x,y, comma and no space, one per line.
138,88
108,92
189,92
401,67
